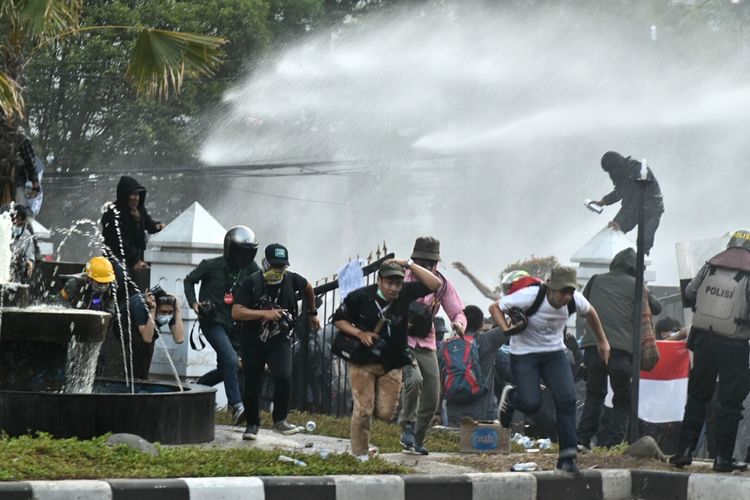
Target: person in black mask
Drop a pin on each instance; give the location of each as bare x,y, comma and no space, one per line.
624,172
220,278
125,223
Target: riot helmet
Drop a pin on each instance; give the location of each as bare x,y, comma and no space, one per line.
240,246
740,239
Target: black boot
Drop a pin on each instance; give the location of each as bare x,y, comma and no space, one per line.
683,457
722,464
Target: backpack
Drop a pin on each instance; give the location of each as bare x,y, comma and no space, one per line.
421,315
460,372
534,307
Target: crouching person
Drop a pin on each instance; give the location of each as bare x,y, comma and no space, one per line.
375,318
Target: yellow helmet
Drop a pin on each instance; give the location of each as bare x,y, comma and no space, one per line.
100,270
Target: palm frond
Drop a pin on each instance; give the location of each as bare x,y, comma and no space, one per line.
161,60
50,16
11,100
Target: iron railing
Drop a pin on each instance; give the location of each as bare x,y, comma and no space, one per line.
320,380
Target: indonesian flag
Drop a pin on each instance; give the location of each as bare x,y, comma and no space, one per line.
663,390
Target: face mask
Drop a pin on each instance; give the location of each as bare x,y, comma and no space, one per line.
17,231
100,287
274,275
163,319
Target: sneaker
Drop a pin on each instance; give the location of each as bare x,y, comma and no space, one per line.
582,448
407,436
285,428
568,466
238,413
420,450
373,451
505,409
251,433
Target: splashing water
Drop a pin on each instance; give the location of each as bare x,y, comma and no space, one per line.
484,127
80,369
93,235
6,255
163,346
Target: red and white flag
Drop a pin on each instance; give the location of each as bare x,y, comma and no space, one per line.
663,390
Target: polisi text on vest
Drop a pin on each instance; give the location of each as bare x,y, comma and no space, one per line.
719,292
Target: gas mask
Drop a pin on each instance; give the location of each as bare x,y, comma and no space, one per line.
272,275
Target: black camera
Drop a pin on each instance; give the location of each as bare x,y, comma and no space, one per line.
378,346
161,297
206,309
285,323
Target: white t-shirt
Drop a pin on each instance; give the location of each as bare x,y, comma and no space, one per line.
544,333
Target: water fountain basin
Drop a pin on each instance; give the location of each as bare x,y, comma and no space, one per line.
157,411
53,324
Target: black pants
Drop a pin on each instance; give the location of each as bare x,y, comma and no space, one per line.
277,354
650,225
619,370
728,358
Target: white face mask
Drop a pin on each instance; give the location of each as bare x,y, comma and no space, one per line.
17,231
163,319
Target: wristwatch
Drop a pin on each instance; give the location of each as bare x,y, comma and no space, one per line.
409,263
314,312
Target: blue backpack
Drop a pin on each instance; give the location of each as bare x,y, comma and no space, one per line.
460,372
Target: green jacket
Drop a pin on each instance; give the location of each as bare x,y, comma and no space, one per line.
612,294
216,280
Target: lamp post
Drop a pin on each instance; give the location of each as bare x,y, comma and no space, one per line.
643,181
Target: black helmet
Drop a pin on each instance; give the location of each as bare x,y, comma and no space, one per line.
240,246
740,239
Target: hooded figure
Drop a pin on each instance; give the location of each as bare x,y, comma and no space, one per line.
613,296
623,172
129,215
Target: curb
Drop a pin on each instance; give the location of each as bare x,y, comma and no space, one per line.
605,484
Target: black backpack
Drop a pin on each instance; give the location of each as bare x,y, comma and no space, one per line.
534,307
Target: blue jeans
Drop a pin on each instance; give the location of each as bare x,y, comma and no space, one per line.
553,367
228,364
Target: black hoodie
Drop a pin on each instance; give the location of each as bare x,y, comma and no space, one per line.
132,230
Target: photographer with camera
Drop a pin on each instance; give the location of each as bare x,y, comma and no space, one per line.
148,314
219,280
377,316
266,306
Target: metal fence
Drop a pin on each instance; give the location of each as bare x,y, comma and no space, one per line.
320,380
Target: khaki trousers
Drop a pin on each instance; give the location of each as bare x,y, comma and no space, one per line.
374,392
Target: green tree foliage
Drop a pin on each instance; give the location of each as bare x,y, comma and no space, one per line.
82,110
535,266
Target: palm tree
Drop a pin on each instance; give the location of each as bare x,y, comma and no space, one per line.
159,62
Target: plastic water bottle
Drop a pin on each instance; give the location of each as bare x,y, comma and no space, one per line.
290,460
543,444
323,453
310,426
593,206
524,467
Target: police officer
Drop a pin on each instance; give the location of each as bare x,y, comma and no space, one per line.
719,340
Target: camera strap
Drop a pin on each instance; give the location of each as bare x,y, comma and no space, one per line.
201,338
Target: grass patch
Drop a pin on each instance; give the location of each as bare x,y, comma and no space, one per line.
383,435
43,457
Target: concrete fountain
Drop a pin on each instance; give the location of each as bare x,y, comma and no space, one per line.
48,357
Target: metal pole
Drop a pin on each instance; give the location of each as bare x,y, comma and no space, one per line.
635,381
